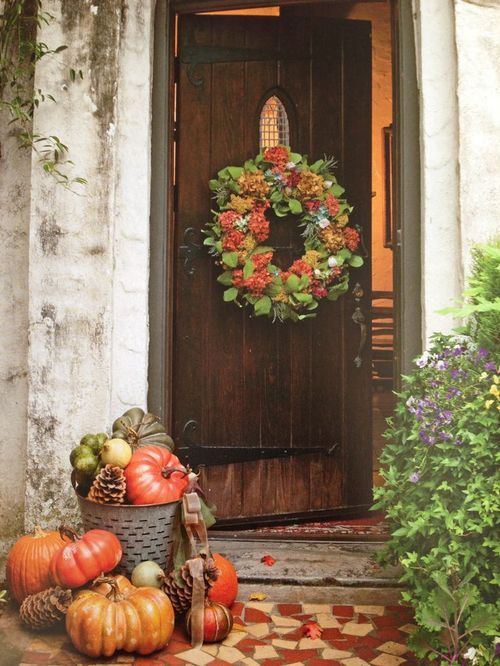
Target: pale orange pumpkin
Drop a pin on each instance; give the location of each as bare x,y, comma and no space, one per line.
28,562
141,620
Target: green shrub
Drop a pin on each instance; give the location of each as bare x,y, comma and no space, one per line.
442,498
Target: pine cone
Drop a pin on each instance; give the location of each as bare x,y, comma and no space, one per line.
178,585
45,608
109,486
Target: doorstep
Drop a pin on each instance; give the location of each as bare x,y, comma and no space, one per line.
312,571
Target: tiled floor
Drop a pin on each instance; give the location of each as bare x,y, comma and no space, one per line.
270,634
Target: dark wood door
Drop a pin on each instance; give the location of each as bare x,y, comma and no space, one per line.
239,381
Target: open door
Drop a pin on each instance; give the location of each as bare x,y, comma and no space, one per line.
255,394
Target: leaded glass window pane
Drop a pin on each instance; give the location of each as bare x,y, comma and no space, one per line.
274,129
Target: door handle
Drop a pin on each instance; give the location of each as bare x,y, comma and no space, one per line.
359,318
190,251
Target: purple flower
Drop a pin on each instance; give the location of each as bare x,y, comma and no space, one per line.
482,353
441,365
444,435
425,438
415,477
490,366
445,416
455,374
423,360
458,441
458,350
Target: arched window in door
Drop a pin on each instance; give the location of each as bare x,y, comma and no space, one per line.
274,128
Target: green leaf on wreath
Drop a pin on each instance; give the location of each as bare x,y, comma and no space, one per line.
213,184
345,254
356,261
292,284
230,259
337,290
250,166
226,278
281,209
337,190
274,289
230,294
218,246
295,157
303,298
208,241
263,306
248,269
276,196
235,172
304,282
316,166
261,249
295,206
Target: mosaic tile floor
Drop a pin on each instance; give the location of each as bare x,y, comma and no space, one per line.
270,634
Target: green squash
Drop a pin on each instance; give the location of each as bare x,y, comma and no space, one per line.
140,428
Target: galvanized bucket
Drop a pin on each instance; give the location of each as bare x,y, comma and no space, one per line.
145,531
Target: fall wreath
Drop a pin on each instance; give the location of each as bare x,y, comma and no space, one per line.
284,182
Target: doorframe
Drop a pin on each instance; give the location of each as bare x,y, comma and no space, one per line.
407,254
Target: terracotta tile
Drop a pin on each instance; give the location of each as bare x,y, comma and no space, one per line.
386,621
284,644
305,617
289,609
298,655
250,662
319,661
273,662
219,662
332,653
362,618
265,652
316,608
250,642
296,663
237,608
254,615
36,657
311,644
388,660
233,638
280,621
259,630
408,628
330,634
284,631
146,661
355,629
196,657
327,621
390,634
391,647
354,661
231,655
370,610
366,653
371,641
176,646
343,611
211,648
172,660
179,633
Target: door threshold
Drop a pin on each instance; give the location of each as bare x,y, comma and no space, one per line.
245,535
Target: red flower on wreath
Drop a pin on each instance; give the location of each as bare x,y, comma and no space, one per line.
258,224
258,281
277,155
227,219
293,179
233,240
299,267
351,238
261,261
313,204
332,204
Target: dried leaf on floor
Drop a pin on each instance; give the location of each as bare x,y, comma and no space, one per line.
268,560
257,596
312,630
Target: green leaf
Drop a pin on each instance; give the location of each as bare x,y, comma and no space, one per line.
295,157
208,241
248,269
235,172
295,206
356,261
303,298
230,259
292,284
262,249
337,190
263,306
230,294
316,166
226,278
213,184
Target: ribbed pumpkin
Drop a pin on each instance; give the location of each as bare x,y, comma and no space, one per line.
225,588
28,562
218,622
140,428
155,475
135,620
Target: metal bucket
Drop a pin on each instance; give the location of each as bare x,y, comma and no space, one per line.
145,531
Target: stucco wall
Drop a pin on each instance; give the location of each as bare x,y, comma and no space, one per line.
15,166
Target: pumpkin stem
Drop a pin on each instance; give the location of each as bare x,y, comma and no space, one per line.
167,471
114,592
38,532
133,437
69,532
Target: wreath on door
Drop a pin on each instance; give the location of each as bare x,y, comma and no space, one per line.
282,181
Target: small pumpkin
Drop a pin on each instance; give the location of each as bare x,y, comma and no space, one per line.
84,558
225,588
28,562
140,428
218,622
117,616
155,475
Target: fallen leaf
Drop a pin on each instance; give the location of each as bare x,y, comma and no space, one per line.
257,596
268,560
239,627
312,630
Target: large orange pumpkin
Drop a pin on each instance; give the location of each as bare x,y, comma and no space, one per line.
135,619
155,475
28,562
225,588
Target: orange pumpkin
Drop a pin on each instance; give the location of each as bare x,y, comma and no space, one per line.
135,619
28,562
225,588
218,622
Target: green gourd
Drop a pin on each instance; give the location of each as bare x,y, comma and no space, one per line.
141,428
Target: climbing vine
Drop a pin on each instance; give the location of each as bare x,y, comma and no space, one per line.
20,51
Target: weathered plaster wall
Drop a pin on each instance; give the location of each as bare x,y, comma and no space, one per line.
88,254
477,29
15,167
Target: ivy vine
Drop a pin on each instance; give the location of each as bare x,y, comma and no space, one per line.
20,52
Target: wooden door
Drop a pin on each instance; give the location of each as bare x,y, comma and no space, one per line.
245,383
